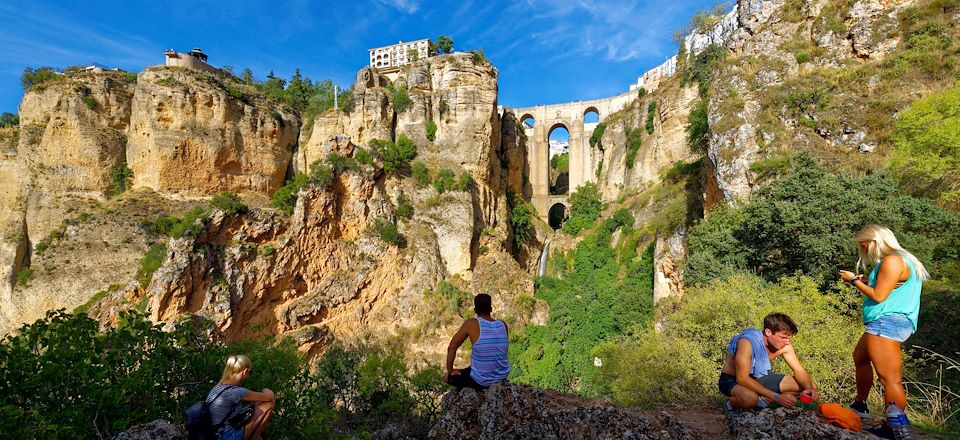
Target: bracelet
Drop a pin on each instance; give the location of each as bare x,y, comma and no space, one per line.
853,281
775,397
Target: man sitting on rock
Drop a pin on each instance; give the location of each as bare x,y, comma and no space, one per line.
746,377
488,360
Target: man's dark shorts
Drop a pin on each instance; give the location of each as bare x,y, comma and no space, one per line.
770,382
464,380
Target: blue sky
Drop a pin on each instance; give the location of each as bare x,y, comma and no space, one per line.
547,51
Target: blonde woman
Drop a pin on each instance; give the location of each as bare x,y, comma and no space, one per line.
890,311
228,402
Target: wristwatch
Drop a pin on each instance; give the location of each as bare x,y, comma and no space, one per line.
853,281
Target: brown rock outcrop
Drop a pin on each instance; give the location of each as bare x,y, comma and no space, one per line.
189,136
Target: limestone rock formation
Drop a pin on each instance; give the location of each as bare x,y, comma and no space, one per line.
783,423
509,411
189,136
657,151
156,430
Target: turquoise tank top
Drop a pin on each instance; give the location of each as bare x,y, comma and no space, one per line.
904,300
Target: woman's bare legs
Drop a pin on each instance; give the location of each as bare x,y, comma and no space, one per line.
261,416
864,370
886,359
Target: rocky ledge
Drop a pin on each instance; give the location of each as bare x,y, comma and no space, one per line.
511,411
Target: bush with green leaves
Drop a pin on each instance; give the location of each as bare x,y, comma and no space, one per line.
363,157
340,163
388,232
704,67
585,208
285,198
121,177
605,294
634,140
190,225
444,44
394,156
804,222
444,181
229,203
404,208
478,57
399,98
522,214
150,262
597,136
24,276
431,131
8,120
651,113
36,78
698,127
89,101
926,155
420,173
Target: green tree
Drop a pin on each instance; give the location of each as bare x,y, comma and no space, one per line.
121,177
229,203
521,218
394,156
8,119
444,44
431,131
585,208
926,140
248,76
420,173
698,127
597,136
34,77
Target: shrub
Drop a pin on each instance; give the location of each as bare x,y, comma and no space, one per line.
394,156
698,127
634,140
641,93
651,112
404,208
388,232
285,198
229,203
35,78
340,163
926,155
802,57
130,77
597,136
444,181
521,218
478,57
268,250
431,131
121,177
400,98
585,208
8,120
321,174
444,44
150,262
89,101
464,181
704,65
420,173
24,276
362,156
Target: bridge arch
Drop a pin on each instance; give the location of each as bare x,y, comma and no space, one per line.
557,215
528,121
558,156
591,115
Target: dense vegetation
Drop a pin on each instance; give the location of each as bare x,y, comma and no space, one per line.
600,291
585,208
62,378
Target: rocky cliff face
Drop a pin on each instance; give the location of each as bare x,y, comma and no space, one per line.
657,151
189,136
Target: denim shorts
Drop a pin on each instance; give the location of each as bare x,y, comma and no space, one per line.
894,326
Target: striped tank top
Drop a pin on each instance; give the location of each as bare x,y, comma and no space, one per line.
488,360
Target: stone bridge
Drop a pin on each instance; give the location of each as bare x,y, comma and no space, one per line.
583,158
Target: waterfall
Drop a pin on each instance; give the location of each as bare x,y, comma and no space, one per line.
542,268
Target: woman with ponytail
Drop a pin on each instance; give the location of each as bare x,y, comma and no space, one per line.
890,310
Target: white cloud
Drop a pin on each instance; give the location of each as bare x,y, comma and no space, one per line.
405,6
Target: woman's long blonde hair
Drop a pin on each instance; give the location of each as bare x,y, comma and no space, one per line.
235,364
885,244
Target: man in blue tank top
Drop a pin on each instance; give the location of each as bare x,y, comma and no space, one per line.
488,359
747,378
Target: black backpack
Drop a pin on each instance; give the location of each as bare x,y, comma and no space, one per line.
199,424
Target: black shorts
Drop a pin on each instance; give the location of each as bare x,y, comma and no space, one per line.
464,380
770,382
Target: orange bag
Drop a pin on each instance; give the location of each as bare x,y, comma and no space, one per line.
839,415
